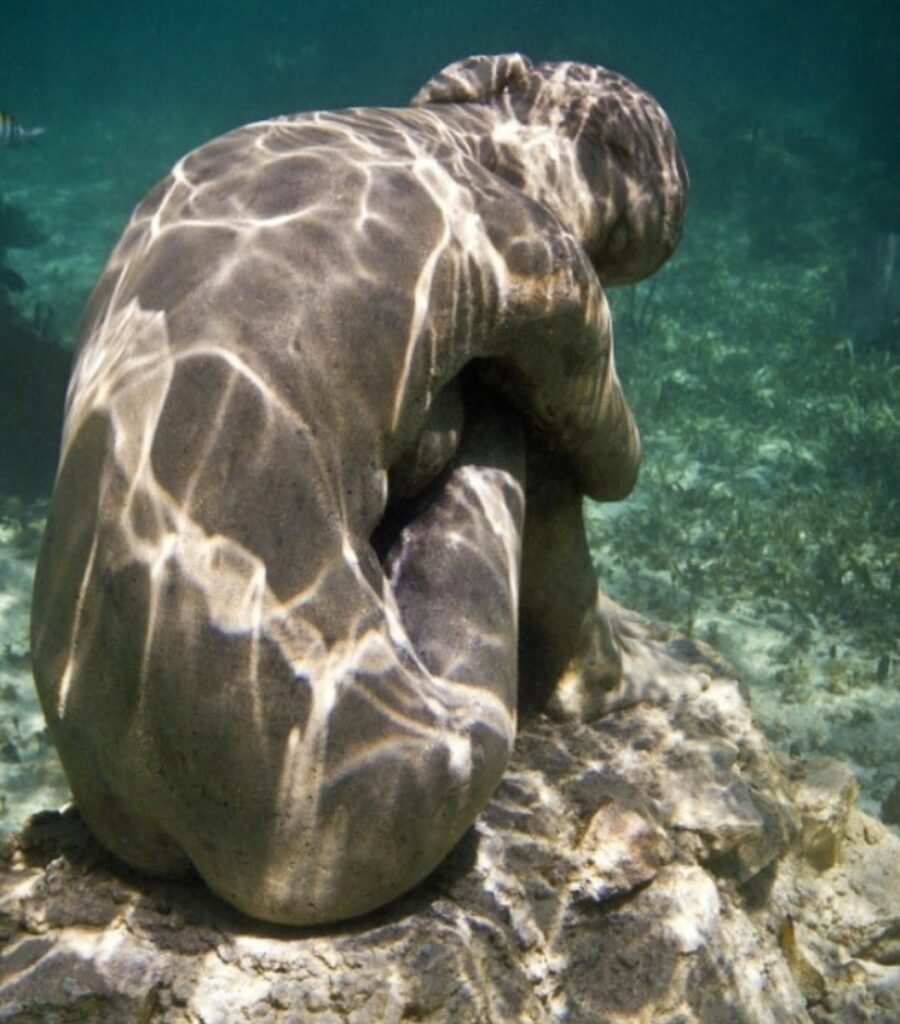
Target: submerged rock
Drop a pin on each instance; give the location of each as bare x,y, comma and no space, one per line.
661,864
34,370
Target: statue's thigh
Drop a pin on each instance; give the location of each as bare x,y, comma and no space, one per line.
454,567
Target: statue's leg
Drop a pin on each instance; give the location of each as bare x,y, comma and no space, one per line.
454,566
561,640
581,655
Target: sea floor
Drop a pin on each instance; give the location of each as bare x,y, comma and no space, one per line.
765,521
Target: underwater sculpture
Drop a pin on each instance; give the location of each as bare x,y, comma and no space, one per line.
343,375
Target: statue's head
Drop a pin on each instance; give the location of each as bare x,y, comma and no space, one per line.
586,142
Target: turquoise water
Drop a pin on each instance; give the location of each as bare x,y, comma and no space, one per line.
761,363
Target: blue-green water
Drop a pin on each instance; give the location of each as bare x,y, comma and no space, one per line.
761,364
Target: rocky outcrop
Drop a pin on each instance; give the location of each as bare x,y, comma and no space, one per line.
660,865
34,370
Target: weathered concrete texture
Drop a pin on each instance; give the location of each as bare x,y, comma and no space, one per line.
660,865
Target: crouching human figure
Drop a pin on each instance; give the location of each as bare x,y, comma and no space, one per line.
316,532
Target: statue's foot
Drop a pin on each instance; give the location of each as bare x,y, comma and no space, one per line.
622,659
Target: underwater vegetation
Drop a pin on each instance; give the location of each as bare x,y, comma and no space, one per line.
33,369
763,371
33,374
17,231
792,456
766,408
873,292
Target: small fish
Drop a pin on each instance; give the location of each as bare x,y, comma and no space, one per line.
14,134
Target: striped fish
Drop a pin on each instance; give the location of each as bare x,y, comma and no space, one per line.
14,134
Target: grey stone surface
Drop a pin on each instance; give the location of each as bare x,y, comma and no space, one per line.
660,865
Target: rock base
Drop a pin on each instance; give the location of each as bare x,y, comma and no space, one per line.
662,865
